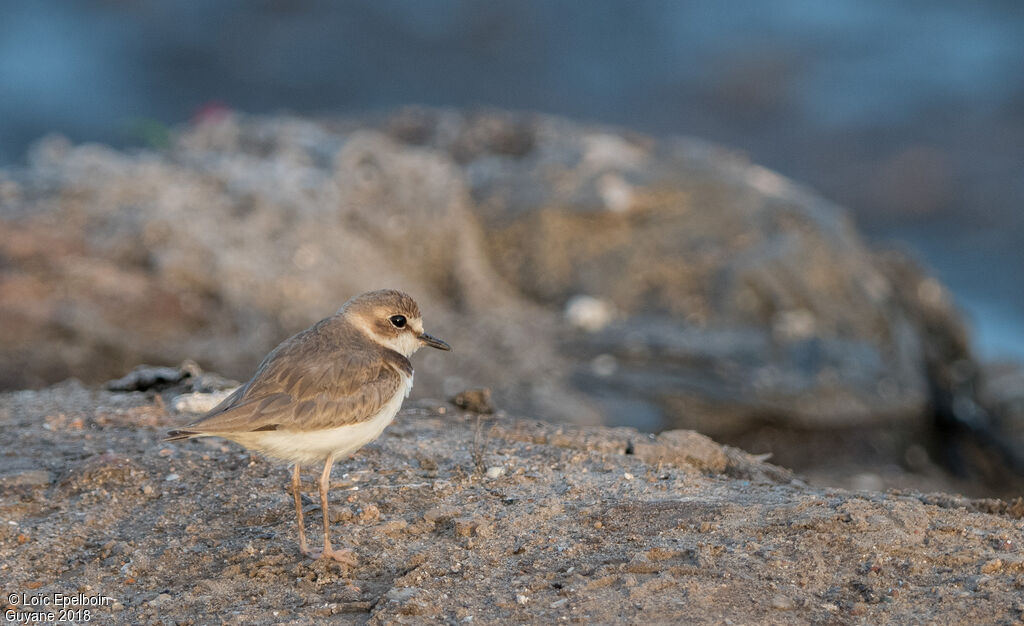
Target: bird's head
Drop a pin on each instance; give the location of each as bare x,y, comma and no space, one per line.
393,319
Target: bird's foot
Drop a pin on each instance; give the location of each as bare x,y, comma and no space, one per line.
345,557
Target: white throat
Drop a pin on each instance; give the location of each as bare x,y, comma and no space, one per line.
405,344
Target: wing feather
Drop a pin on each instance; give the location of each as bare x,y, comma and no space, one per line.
312,383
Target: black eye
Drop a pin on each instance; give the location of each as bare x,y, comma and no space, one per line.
398,321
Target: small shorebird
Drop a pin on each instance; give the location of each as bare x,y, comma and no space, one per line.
325,392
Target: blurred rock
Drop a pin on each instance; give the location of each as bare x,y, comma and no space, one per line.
975,429
719,295
683,447
474,400
199,403
146,377
588,313
1003,388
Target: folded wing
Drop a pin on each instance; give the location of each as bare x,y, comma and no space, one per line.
301,389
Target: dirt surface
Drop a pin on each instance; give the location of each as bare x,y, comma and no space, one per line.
462,518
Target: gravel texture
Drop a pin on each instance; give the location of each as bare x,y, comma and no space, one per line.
458,517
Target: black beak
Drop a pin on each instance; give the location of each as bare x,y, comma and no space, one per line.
434,342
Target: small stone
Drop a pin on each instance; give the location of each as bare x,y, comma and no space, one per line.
627,476
598,524
171,477
401,594
782,603
428,464
474,400
521,599
147,490
341,514
440,513
198,403
588,313
370,513
557,604
160,599
661,554
465,527
146,377
395,527
616,192
682,447
495,472
991,567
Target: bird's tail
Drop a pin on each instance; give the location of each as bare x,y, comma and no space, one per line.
179,434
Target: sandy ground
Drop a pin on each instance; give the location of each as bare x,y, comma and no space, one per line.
459,518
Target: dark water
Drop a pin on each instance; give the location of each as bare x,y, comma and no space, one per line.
909,113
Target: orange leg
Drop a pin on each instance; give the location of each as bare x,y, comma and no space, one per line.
297,492
342,556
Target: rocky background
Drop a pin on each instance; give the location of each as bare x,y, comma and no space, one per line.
584,274
622,297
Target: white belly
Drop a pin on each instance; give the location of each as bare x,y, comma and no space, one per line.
316,445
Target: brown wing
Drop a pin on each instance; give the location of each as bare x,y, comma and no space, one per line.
309,383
